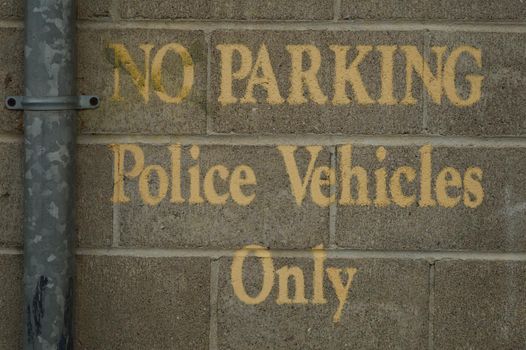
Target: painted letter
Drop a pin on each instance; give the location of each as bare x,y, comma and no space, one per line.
144,187
120,173
473,191
227,75
266,80
323,176
348,172
299,286
195,178
237,274
210,191
426,198
448,177
351,74
241,176
341,290
123,59
387,97
380,175
188,73
396,186
475,80
319,259
432,83
299,186
300,78
176,196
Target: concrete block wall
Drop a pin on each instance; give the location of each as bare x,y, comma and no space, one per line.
160,276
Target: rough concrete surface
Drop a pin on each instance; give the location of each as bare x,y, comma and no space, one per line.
480,305
497,224
272,219
132,114
445,275
11,195
11,301
387,308
501,108
477,10
311,117
138,303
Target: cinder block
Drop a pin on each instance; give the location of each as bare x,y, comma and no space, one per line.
14,9
128,112
160,9
496,224
480,305
274,9
12,76
94,215
142,303
312,116
93,9
11,9
228,9
11,301
500,110
123,303
478,10
272,219
11,192
387,308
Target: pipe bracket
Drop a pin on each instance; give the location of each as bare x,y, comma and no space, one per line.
52,103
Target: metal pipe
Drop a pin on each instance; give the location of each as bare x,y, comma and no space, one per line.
49,229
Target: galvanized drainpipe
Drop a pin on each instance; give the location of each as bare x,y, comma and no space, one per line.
49,105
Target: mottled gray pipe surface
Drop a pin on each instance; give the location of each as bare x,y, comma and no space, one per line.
49,176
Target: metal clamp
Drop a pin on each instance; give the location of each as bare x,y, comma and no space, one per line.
51,103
